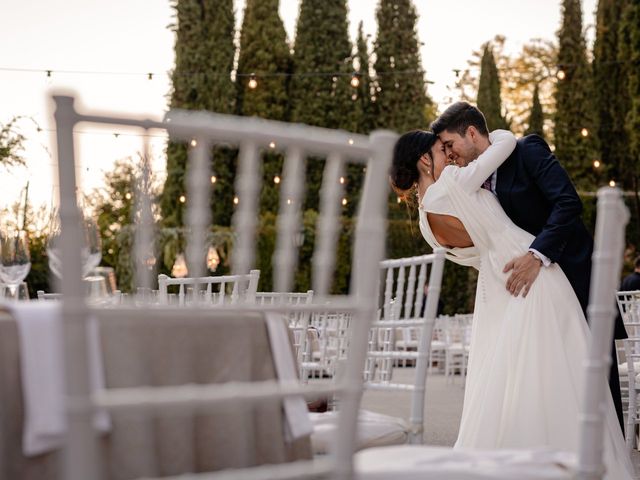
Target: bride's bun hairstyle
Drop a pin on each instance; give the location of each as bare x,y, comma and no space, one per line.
406,153
458,118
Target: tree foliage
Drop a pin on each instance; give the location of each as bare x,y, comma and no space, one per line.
11,143
264,50
489,101
536,118
201,80
534,65
574,107
610,96
321,90
401,94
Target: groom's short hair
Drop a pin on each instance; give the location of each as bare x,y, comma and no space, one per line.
458,118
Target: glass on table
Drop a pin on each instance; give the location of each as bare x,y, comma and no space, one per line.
15,258
91,249
13,292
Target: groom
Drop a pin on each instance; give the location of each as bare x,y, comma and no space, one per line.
538,196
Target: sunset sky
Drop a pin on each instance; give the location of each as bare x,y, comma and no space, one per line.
108,48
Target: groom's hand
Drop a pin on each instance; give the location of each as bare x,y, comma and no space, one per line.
524,270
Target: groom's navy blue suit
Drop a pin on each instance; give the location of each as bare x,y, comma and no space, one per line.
537,194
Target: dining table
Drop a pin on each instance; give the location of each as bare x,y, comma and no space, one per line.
156,347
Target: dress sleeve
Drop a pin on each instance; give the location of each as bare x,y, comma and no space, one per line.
474,175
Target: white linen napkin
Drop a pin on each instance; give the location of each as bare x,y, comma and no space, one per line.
297,421
42,370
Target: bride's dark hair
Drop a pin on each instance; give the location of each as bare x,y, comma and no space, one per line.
406,153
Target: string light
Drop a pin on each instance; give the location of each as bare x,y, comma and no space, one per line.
127,196
213,179
288,201
253,82
399,200
182,199
272,145
612,183
276,179
351,141
355,81
194,142
213,259
584,132
344,201
596,163
236,200
179,269
561,75
342,180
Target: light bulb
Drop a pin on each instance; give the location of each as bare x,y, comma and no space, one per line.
584,132
276,179
213,179
612,183
355,81
561,75
253,82
236,200
344,201
182,199
596,163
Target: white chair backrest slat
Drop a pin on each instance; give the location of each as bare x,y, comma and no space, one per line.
611,220
328,225
198,210
285,257
245,219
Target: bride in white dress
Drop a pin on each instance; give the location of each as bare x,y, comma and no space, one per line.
526,356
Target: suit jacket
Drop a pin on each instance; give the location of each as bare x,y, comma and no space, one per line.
538,195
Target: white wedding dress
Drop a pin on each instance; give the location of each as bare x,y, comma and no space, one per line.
525,369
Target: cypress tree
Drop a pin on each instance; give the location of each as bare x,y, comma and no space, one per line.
610,97
201,81
363,107
264,52
322,50
536,118
489,101
574,116
321,91
629,54
362,115
401,93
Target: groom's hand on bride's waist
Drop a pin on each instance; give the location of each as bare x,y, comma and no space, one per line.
524,271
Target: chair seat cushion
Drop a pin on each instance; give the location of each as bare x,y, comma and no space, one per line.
374,430
419,462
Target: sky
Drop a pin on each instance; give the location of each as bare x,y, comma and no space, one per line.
103,51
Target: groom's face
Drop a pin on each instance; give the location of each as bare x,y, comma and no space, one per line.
458,148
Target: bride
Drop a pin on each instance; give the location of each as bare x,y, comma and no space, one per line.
525,363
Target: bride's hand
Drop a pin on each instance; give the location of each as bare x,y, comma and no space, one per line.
525,271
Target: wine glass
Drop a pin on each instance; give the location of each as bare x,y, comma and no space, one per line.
91,250
15,259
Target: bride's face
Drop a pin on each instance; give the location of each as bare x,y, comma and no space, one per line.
439,159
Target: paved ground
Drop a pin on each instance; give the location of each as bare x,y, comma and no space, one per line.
442,410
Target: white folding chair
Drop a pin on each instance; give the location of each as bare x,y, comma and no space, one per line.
418,462
251,134
220,290
406,277
298,321
628,367
457,338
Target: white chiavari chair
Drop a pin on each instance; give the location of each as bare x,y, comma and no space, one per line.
204,130
298,321
419,462
406,277
218,290
629,362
